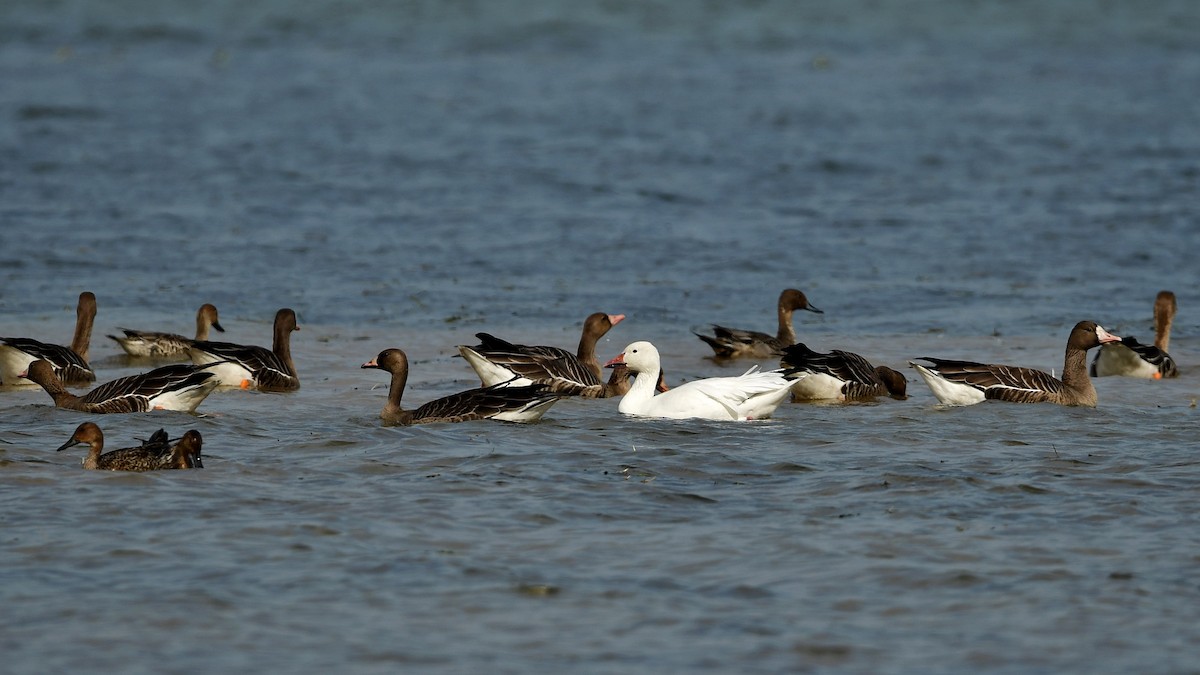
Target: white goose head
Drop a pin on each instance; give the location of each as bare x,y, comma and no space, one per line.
640,357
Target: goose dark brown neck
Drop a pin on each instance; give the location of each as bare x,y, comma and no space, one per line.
1164,314
1074,376
394,361
1079,388
42,373
281,344
594,327
85,316
893,381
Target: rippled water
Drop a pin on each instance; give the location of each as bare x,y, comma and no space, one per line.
947,179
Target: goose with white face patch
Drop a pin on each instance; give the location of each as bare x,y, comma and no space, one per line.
968,382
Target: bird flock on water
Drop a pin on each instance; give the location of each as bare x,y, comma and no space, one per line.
519,383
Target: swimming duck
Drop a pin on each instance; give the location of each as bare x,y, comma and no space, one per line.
733,343
168,345
156,453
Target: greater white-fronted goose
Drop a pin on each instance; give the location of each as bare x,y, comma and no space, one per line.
733,343
967,382
154,454
69,363
839,375
247,366
168,345
750,396
1134,359
497,361
498,402
180,386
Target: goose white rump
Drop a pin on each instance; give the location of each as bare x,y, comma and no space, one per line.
753,395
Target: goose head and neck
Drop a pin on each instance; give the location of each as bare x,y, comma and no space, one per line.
85,316
42,373
394,361
594,328
281,343
642,359
1084,336
1164,314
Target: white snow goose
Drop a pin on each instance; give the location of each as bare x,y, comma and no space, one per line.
966,382
750,396
497,361
247,366
498,402
180,386
733,343
69,363
1134,359
839,375
156,453
168,345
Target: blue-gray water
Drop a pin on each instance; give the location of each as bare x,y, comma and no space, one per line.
964,180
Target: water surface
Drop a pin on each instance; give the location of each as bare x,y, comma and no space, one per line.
942,179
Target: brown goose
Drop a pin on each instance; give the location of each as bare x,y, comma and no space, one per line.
497,361
1134,359
733,343
157,453
839,375
499,402
250,366
69,363
175,387
966,382
168,345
